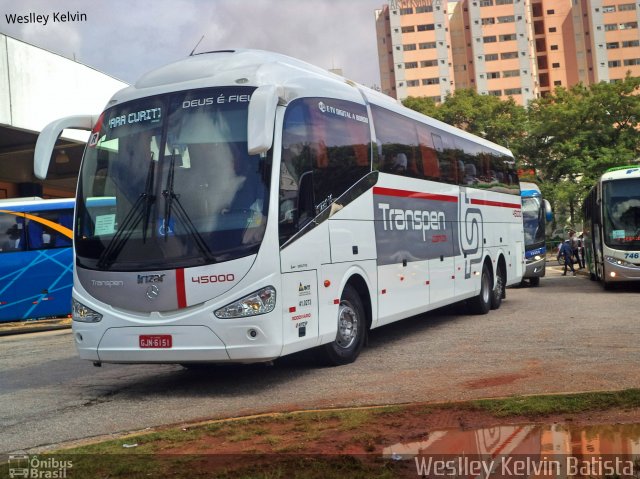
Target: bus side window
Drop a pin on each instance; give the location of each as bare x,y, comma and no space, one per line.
11,233
398,138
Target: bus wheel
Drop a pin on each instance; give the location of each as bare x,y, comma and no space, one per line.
351,331
498,291
481,304
535,281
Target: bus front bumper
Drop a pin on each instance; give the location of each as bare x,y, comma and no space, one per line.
535,268
164,344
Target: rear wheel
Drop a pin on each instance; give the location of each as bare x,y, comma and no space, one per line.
498,291
481,304
351,332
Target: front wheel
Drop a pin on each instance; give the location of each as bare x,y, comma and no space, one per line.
352,325
535,281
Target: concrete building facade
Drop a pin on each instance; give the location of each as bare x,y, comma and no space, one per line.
508,48
37,87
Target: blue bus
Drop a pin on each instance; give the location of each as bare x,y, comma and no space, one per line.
536,211
36,258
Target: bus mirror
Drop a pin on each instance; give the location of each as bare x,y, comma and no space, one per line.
547,210
260,124
48,137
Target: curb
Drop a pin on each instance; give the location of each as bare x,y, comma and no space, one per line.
34,326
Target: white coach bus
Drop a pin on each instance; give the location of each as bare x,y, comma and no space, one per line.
244,205
611,214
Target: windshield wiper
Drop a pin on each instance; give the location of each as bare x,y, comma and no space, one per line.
139,211
169,198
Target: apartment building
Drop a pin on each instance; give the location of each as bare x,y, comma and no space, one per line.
507,48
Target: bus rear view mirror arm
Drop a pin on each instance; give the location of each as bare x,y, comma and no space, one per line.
49,135
260,124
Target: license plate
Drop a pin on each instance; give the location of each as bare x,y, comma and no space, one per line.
156,341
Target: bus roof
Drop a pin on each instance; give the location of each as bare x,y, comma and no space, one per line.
25,205
529,190
621,173
294,79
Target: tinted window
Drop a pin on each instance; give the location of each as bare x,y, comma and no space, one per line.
326,149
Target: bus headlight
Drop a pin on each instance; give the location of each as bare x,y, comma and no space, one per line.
84,314
261,302
618,262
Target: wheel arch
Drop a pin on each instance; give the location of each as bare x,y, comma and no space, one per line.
357,282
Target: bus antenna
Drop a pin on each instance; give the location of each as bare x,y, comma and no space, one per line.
194,48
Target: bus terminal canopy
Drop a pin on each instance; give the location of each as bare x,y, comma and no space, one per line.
36,87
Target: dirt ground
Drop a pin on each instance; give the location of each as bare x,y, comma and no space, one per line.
327,432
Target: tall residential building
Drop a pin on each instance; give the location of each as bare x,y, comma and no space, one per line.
518,48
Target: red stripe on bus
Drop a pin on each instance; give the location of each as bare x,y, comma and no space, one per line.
377,190
180,288
499,204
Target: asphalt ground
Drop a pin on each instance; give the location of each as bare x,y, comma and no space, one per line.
38,325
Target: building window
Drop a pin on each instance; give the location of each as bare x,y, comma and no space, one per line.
513,91
626,7
508,55
508,37
557,83
614,63
507,19
608,9
504,2
406,11
489,57
631,43
554,47
555,65
510,73
431,81
495,92
413,82
493,75
424,9
486,3
425,27
488,21
550,12
552,29
409,47
628,25
408,29
428,63
427,45
612,45
631,62
409,65
610,27
489,39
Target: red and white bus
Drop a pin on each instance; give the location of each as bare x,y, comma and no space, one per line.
244,205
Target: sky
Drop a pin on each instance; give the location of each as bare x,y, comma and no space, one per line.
126,38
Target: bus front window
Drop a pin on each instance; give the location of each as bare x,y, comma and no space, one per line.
533,220
166,182
621,200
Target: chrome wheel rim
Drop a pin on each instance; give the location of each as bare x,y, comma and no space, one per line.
348,324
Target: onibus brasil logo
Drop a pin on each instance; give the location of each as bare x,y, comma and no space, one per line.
38,468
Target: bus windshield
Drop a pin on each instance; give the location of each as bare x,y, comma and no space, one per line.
166,182
534,221
622,213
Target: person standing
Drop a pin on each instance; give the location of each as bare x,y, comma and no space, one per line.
575,248
567,252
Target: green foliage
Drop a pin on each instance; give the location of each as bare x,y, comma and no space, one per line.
569,137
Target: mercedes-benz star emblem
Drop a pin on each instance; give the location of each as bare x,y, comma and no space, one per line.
153,292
